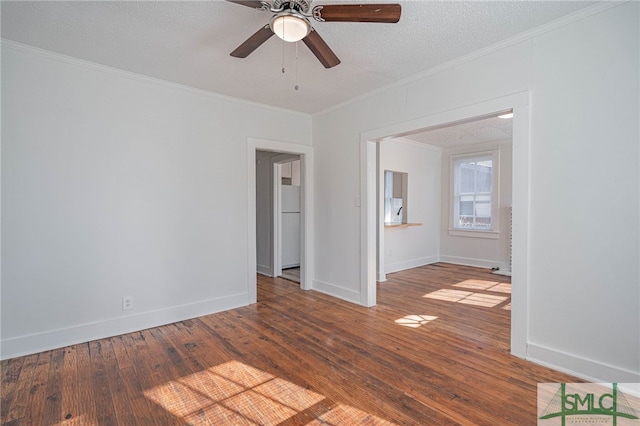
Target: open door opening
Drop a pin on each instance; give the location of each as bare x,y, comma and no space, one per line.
457,207
266,241
278,214
372,227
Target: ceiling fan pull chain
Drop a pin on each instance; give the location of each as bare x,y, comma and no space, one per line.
283,56
296,86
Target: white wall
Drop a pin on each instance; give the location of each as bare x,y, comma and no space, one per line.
482,252
585,257
413,246
114,184
583,250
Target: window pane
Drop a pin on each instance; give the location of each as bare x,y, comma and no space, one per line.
483,223
485,179
467,177
465,222
483,208
466,207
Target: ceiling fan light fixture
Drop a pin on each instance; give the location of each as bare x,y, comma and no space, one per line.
290,26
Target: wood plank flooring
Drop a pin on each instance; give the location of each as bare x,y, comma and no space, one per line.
434,351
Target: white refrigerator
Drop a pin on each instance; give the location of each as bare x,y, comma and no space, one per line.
290,226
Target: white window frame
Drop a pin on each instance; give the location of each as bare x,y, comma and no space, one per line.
494,232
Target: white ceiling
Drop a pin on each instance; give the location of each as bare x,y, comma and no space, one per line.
189,42
466,133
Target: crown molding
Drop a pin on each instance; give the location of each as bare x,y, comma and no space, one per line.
525,36
81,63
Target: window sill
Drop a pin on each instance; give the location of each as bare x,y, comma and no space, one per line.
400,225
492,235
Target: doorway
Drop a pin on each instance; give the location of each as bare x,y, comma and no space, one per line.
372,227
449,214
255,148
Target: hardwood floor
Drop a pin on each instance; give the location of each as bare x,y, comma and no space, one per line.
434,351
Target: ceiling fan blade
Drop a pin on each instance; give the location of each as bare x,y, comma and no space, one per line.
384,13
323,52
254,4
253,42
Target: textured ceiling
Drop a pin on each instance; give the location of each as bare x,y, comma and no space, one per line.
189,42
472,132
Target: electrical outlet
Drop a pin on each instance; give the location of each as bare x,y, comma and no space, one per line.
127,303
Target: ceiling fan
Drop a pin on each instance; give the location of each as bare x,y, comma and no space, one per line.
291,23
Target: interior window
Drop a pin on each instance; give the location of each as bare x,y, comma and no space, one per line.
395,197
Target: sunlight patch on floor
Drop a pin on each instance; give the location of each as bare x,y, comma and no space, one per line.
346,415
466,297
415,321
481,299
448,295
236,393
485,285
501,288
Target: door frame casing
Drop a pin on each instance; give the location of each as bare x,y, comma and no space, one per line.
306,209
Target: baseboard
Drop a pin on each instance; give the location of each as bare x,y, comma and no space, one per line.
578,366
337,291
479,263
408,264
381,277
264,270
39,342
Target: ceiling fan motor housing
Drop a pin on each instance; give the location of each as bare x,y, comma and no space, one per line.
301,6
